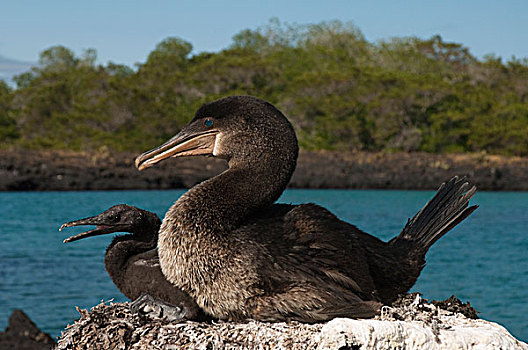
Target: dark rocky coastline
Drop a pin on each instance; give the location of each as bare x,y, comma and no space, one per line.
66,171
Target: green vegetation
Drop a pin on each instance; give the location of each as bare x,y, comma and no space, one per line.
340,92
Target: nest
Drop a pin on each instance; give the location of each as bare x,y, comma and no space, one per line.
113,326
411,322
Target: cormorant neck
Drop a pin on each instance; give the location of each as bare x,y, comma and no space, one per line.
124,247
220,204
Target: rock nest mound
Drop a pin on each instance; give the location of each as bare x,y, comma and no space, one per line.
411,323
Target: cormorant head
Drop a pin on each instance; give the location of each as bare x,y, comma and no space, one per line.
119,218
241,129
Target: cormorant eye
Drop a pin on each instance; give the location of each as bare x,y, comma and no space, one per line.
113,218
208,122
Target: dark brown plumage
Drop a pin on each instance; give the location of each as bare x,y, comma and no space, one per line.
240,256
132,260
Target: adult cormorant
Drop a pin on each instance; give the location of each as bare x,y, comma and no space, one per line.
132,261
240,256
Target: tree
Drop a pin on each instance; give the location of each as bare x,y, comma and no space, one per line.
171,52
8,127
57,58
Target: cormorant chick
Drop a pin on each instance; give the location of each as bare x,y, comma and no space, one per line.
133,264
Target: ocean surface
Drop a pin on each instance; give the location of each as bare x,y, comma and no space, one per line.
483,260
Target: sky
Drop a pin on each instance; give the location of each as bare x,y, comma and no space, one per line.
127,31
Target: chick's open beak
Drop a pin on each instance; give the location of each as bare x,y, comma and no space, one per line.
100,230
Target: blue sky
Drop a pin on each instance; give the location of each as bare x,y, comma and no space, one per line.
126,31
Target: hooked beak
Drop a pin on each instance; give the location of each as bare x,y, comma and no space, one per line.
185,143
100,230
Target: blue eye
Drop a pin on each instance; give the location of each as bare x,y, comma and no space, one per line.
208,123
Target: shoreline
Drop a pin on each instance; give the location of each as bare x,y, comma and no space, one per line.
25,170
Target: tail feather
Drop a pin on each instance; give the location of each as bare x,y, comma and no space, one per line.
444,211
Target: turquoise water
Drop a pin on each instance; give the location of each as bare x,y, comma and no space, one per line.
483,260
